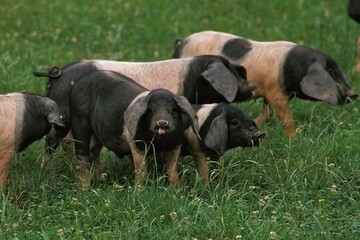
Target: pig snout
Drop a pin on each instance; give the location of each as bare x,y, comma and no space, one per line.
346,95
245,91
257,138
351,94
252,88
162,127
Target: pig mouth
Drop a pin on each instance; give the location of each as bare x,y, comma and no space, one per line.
162,127
346,96
246,92
257,138
350,96
161,131
252,89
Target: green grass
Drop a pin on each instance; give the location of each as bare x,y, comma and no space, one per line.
304,188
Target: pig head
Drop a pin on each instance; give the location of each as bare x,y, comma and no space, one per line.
227,127
309,74
157,117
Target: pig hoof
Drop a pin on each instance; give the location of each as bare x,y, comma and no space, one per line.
356,69
102,177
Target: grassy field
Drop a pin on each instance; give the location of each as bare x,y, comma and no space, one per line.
304,188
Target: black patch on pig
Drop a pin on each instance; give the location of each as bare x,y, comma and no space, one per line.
296,66
98,103
59,88
236,48
198,90
35,123
353,10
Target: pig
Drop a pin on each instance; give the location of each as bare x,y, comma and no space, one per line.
222,127
280,70
109,109
24,118
353,10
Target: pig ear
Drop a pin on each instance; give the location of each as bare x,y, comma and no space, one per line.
133,114
185,106
318,84
51,111
54,118
216,138
222,80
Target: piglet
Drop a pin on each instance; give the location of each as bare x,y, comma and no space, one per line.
281,70
24,118
222,127
109,109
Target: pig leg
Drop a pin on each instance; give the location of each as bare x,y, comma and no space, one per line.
265,113
5,158
203,169
356,69
82,136
67,145
53,139
279,102
139,164
198,154
216,162
95,151
171,159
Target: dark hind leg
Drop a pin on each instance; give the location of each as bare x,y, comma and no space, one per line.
96,147
83,135
53,139
67,144
356,68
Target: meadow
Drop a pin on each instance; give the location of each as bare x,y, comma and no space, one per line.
302,188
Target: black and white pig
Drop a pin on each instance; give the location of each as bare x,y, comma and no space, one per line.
109,109
24,118
280,70
222,127
202,79
353,10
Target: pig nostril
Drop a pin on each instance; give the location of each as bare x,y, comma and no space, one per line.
162,127
253,87
162,123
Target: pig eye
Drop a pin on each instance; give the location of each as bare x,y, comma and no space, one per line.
173,107
176,115
235,122
331,71
151,108
175,111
